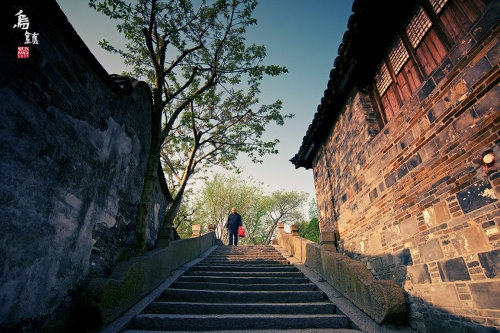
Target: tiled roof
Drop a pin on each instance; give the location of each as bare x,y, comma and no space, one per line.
370,30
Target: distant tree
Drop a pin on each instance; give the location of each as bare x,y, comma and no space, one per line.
254,224
212,133
218,195
184,219
283,207
186,49
310,230
313,209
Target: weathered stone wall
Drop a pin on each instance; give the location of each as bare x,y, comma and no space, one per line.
413,202
107,299
72,162
382,300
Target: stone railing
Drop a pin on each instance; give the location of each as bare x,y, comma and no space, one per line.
108,298
382,300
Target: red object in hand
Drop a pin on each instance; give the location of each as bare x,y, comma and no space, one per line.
241,232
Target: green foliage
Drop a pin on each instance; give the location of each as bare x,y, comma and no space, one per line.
260,213
218,195
179,46
205,80
183,221
313,209
310,230
284,207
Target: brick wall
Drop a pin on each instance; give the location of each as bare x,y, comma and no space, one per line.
412,201
72,162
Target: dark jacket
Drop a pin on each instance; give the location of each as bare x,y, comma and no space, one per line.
234,221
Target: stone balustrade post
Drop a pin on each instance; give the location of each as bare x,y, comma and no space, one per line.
196,228
327,240
295,230
281,230
165,235
281,227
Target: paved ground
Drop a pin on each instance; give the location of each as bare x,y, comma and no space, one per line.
359,318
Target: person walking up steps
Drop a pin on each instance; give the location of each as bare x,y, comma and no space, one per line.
232,225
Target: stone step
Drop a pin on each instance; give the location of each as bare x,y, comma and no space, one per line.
262,263
244,268
181,284
241,308
246,262
238,322
310,330
243,288
246,252
240,280
232,296
246,257
239,253
243,252
247,274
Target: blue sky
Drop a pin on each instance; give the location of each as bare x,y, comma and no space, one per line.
303,35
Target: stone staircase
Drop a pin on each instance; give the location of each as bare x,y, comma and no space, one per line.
242,288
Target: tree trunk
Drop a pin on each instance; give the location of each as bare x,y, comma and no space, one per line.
271,232
173,209
149,184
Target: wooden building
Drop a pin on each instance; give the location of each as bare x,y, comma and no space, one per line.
405,150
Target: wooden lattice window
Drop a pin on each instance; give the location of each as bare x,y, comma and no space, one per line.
383,79
418,27
438,5
398,55
415,54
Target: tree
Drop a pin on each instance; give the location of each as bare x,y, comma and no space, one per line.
313,209
310,230
219,194
184,219
214,132
284,207
185,51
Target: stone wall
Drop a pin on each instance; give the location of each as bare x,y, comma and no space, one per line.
72,162
414,202
106,299
382,300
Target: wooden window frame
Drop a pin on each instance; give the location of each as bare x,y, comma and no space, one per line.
426,54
